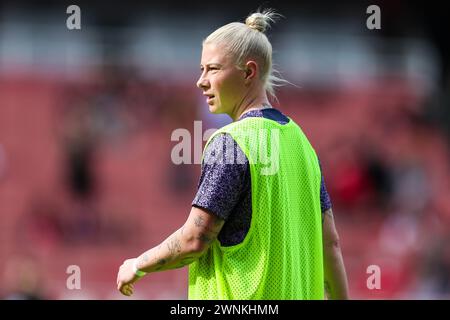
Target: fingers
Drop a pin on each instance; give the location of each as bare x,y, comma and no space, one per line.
126,289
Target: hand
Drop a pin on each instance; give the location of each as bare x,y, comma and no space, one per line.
126,278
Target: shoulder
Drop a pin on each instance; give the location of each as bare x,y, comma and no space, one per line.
223,149
218,141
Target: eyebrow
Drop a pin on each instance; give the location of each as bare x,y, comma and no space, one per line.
211,64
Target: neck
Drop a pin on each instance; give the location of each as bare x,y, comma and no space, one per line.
249,103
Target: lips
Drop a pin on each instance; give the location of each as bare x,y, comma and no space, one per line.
209,98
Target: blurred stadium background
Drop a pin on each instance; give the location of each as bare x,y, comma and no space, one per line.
86,118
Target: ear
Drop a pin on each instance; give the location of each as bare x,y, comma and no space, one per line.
251,71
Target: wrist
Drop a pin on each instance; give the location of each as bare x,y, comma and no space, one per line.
136,271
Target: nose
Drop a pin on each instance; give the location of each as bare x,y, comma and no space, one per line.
202,83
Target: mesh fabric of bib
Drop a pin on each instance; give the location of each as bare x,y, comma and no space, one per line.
281,256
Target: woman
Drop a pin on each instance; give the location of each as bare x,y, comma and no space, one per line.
255,229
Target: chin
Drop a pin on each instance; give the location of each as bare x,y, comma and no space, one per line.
214,109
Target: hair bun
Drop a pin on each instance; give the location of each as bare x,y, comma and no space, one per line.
257,21
261,20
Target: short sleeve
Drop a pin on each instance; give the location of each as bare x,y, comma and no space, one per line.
223,176
325,200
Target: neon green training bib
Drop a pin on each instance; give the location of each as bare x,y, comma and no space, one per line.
281,256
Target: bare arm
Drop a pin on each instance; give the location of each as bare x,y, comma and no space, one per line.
181,248
336,285
185,245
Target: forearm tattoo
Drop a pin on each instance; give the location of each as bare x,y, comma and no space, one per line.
199,221
204,238
174,246
160,264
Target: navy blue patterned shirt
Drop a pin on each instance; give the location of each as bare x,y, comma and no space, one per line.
224,188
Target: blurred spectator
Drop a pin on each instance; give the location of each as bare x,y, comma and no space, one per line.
411,187
437,111
79,141
379,175
42,224
350,182
99,116
141,99
107,109
434,270
400,233
22,279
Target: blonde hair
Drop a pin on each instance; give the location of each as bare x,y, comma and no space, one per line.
244,41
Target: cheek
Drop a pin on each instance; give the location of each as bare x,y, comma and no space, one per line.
220,87
229,88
